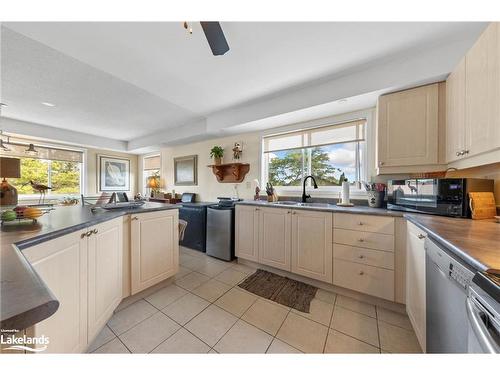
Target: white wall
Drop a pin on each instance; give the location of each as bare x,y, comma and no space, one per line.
208,189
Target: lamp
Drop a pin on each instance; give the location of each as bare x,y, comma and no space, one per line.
154,184
9,168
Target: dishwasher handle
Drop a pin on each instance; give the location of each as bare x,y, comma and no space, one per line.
483,336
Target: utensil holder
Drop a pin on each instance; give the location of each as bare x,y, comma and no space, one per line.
376,198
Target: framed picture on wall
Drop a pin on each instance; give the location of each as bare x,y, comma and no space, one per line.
186,170
113,173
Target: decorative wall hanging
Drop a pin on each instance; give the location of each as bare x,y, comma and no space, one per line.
186,170
114,173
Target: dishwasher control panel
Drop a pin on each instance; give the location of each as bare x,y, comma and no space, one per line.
461,275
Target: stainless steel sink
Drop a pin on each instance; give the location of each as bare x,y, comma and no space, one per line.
300,204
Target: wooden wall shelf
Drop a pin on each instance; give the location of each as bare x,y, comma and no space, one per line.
230,172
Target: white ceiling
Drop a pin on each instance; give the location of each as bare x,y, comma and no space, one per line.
129,80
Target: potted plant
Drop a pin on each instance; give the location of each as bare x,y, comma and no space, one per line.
217,152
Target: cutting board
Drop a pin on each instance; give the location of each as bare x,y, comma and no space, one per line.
482,205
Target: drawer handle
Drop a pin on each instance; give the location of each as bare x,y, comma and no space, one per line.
134,218
95,231
361,273
288,212
361,257
421,236
294,213
360,223
83,235
361,240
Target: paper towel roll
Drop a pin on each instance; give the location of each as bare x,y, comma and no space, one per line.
345,192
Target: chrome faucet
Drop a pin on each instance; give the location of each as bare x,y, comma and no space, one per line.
304,195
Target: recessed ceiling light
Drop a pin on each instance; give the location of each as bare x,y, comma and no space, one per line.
48,104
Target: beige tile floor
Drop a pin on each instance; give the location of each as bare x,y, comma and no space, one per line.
204,311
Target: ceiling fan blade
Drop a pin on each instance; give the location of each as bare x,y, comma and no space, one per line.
215,37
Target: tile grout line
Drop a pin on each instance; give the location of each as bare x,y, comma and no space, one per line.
330,323
378,332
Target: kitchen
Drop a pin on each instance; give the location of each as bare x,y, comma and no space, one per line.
318,219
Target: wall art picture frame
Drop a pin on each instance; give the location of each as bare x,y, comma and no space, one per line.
186,170
114,173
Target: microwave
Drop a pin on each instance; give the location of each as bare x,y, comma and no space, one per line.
438,196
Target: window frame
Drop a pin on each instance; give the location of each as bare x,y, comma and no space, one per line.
325,191
49,196
144,188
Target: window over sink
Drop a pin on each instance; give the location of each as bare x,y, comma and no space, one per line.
330,153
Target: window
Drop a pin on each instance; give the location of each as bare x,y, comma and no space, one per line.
329,153
151,167
57,168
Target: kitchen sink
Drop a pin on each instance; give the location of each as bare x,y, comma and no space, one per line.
300,204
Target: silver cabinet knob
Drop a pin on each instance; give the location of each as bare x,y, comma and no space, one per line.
360,223
457,153
95,231
466,152
421,236
361,273
134,218
288,212
294,213
361,257
380,163
361,240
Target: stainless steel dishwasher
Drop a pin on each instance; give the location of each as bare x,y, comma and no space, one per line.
447,282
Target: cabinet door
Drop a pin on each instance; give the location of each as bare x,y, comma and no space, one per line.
247,232
494,83
105,250
312,253
415,281
477,124
407,127
275,237
62,265
455,113
154,248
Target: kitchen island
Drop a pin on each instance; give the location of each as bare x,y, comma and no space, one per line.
25,299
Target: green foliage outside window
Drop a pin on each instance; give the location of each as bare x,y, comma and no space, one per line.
287,168
62,176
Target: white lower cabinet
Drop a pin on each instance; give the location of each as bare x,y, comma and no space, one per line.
154,246
62,265
84,272
312,253
415,281
247,232
105,253
275,237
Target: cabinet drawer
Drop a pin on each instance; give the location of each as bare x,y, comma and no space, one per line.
384,259
365,223
374,281
368,240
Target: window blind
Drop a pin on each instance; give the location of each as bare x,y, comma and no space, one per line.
152,162
352,131
47,153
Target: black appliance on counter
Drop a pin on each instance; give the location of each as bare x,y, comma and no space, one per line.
438,196
195,214
220,229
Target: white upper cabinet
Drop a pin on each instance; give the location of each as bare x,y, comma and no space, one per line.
473,110
455,113
408,129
